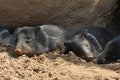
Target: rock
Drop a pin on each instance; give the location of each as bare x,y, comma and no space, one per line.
115,23
72,13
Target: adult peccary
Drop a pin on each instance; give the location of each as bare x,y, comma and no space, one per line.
110,53
7,40
88,42
36,40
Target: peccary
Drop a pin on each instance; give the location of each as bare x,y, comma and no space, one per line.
88,42
110,53
36,40
7,40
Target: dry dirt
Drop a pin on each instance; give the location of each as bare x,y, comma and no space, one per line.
55,66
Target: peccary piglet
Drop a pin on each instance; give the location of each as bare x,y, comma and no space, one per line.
110,53
88,42
7,40
36,40
27,42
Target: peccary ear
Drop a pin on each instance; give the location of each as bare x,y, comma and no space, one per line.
84,33
37,29
17,30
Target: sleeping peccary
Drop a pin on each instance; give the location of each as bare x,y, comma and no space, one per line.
110,53
7,40
36,40
88,42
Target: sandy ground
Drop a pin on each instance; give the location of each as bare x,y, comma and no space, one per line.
55,66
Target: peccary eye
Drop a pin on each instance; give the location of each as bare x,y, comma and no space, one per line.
4,45
27,37
27,42
86,45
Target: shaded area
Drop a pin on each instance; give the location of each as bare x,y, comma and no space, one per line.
115,24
